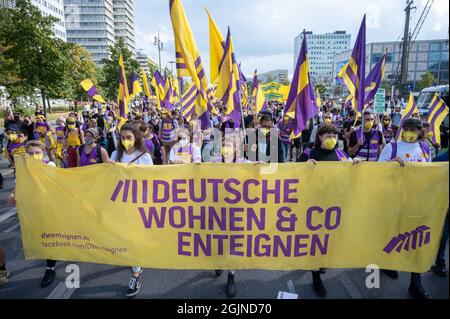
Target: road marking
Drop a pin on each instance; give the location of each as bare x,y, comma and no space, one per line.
8,214
9,230
291,287
348,285
61,292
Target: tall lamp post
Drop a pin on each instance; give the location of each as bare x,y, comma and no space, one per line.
160,48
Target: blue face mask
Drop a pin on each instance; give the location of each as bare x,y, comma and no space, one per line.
89,140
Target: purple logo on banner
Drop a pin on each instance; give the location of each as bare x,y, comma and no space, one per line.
417,238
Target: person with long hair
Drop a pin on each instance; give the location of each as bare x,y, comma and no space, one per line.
131,150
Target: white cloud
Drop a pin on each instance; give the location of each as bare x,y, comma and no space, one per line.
264,30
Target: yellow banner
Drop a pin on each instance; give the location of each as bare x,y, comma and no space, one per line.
275,91
235,216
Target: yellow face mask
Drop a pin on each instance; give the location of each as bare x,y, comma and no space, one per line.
265,131
329,144
12,137
387,122
369,124
410,137
21,140
227,151
128,144
38,157
328,121
71,126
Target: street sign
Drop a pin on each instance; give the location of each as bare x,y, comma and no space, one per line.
380,101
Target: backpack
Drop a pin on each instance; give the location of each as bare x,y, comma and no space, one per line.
99,152
423,145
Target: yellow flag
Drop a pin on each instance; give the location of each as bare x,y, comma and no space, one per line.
145,82
189,63
123,90
216,45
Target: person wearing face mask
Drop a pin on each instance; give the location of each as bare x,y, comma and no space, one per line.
74,138
36,149
131,150
409,149
427,136
91,153
348,128
167,126
41,128
286,126
326,119
184,152
266,144
16,143
387,128
397,115
325,149
366,143
60,141
151,142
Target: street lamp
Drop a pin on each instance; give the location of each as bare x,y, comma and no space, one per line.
160,48
171,65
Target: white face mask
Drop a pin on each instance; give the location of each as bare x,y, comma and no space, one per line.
184,142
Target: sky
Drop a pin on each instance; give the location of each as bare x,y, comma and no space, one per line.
263,31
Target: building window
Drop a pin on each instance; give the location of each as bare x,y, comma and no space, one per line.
434,56
435,46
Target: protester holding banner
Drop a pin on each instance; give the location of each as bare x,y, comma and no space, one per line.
325,149
409,149
263,150
4,275
36,150
440,267
131,150
367,146
16,142
184,152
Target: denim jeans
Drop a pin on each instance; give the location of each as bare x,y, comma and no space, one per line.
286,148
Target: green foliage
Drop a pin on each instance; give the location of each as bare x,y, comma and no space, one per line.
109,80
23,110
322,89
427,79
33,61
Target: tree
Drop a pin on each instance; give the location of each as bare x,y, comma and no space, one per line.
287,83
270,78
110,77
32,58
80,67
427,79
386,85
322,89
338,90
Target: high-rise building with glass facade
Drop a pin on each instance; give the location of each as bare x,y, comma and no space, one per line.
321,51
425,55
124,25
54,8
98,24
